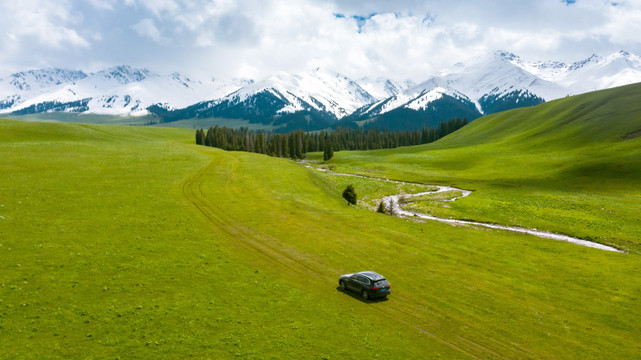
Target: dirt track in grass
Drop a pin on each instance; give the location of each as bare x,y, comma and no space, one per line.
287,260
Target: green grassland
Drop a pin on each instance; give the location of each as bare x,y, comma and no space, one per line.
370,191
134,243
570,166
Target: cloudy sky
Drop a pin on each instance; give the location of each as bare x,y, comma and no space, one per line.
255,38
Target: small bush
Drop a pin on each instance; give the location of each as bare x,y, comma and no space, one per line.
350,194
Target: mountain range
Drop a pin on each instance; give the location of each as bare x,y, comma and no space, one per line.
319,98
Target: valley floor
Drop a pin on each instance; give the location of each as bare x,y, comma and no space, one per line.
134,243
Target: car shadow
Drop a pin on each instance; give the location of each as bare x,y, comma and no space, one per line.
358,296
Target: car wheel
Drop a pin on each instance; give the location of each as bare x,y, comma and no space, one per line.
343,286
365,295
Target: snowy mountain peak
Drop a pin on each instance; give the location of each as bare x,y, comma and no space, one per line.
506,55
319,89
487,82
594,58
382,88
592,73
631,59
180,77
29,84
125,74
39,79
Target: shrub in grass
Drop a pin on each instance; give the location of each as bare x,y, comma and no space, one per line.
350,194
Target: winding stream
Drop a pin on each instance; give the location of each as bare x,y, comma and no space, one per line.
394,206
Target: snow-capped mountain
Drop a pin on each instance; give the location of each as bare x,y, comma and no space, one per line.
502,81
120,90
28,84
319,90
382,88
314,99
320,98
593,73
492,83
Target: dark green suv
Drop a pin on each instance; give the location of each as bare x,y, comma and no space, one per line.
367,283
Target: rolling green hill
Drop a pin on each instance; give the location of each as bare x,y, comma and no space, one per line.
134,243
602,117
570,166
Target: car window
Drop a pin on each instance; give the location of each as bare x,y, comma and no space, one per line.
381,283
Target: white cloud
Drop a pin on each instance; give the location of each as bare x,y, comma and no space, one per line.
159,7
624,23
247,71
51,24
228,38
147,28
103,4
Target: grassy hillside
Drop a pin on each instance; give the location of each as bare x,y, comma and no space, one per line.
570,166
105,254
128,242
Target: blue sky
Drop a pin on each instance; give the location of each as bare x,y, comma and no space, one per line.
255,38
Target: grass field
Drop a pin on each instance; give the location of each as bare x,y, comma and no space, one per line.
568,166
133,243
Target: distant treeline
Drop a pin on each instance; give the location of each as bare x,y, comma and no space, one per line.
297,143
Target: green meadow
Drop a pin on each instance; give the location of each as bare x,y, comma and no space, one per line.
570,166
135,243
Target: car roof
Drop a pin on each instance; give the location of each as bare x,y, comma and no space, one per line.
372,275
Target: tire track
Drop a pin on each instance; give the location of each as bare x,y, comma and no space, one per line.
192,191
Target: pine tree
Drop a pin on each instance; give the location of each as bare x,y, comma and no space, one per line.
328,150
292,145
209,138
279,145
285,146
300,151
200,137
258,145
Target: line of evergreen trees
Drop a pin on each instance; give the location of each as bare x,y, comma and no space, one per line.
290,145
297,143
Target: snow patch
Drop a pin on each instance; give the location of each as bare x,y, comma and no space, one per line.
421,102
